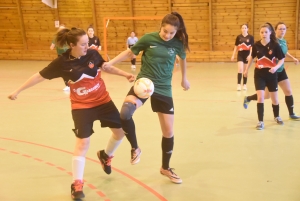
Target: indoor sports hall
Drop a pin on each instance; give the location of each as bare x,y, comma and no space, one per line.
218,152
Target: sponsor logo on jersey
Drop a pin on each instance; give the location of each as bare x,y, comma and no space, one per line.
171,110
83,91
247,40
270,52
171,51
91,64
153,46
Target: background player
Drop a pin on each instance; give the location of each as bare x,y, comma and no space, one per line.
243,44
131,40
267,51
60,51
283,80
94,41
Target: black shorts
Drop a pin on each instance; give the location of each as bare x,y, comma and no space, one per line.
107,113
159,103
242,56
282,75
263,78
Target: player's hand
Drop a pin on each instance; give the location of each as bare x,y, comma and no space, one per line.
185,84
246,72
232,58
248,57
13,96
273,70
296,61
130,77
106,66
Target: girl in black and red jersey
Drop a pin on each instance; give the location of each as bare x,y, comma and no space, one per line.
267,51
94,41
89,99
243,44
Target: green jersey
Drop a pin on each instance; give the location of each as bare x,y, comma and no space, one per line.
60,50
284,48
158,60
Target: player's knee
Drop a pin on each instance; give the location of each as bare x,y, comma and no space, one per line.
127,110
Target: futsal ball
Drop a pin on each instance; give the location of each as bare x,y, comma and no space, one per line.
143,88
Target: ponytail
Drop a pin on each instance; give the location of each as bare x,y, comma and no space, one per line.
270,27
176,20
68,36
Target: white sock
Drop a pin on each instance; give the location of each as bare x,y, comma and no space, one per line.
112,145
78,163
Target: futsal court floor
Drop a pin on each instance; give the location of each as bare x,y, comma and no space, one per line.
218,153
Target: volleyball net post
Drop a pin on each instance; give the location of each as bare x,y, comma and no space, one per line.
106,21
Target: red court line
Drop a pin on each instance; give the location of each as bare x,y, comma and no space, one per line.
100,194
48,163
156,194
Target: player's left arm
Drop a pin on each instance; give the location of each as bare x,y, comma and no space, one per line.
296,61
184,81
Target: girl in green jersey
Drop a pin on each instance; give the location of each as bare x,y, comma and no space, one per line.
159,53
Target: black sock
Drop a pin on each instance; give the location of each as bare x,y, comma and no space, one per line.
129,128
244,80
253,97
260,111
167,145
275,110
289,100
133,61
239,77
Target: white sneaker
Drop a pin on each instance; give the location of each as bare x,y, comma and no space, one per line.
245,87
278,120
260,125
238,88
66,88
133,67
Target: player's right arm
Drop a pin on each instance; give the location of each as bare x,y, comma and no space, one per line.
33,80
234,51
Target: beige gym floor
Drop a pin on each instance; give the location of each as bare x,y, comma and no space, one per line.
218,153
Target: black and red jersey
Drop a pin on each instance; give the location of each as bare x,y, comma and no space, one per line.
87,88
267,54
94,41
244,43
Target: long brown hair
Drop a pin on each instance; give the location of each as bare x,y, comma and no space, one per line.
176,20
270,27
68,36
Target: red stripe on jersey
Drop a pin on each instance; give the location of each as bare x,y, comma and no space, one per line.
88,92
243,46
265,62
